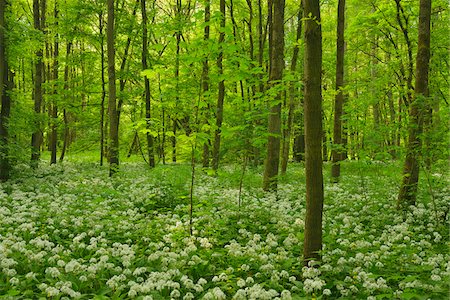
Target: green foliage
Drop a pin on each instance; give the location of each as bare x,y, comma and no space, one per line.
91,236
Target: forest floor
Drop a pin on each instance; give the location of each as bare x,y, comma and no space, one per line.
69,231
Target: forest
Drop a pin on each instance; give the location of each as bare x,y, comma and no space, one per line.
227,149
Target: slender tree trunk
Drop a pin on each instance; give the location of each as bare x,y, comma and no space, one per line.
313,132
36,137
174,140
177,79
102,104
123,66
163,118
66,94
408,189
112,105
336,153
394,132
221,95
205,82
292,94
402,20
151,156
54,133
5,89
276,44
324,145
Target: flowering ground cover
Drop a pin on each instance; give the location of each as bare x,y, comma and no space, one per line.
69,231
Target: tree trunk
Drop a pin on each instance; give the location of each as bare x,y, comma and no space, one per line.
336,153
313,132
36,137
102,105
174,140
112,106
5,89
151,156
66,93
123,66
177,79
292,94
221,94
205,83
408,189
54,133
276,44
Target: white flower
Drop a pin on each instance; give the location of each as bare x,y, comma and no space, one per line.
286,295
30,275
188,296
218,294
326,292
51,291
52,271
14,281
175,294
435,277
240,295
241,282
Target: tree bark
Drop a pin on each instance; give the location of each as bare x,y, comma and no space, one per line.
150,151
292,94
336,153
205,83
276,44
313,132
177,79
5,89
66,91
408,190
102,104
54,112
112,105
36,137
221,94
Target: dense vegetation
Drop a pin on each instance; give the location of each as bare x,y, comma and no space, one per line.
69,230
255,149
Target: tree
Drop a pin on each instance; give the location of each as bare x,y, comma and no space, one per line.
54,107
36,137
221,94
151,156
276,44
408,189
112,106
5,89
292,96
102,103
339,98
205,80
313,131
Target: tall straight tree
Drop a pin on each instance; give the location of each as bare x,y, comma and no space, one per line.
36,137
5,88
292,96
336,153
112,105
221,94
151,156
102,103
205,79
313,131
54,108
408,190
276,44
